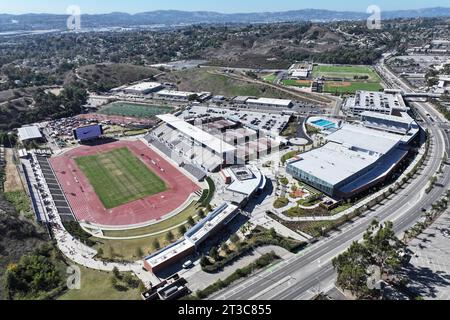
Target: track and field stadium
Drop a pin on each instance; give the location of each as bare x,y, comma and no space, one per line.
121,184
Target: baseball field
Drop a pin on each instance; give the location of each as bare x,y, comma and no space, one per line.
348,79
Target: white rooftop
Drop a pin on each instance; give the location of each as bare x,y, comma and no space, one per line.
197,134
333,162
363,138
144,86
203,229
302,73
348,151
404,118
169,252
246,187
30,132
174,93
270,101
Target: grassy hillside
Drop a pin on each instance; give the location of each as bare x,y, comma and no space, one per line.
204,79
97,285
107,76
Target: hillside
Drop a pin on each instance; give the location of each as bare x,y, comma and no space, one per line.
273,46
205,79
18,237
107,76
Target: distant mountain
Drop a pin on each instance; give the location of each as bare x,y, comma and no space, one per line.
29,22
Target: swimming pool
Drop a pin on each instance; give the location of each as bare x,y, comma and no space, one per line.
324,123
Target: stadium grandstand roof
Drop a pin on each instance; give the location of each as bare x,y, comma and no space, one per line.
29,133
210,141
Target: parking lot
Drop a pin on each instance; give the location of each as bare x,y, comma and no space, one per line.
429,269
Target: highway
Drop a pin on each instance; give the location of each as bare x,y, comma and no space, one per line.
311,271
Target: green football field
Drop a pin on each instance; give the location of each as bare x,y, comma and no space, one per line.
351,87
119,177
351,78
136,110
347,73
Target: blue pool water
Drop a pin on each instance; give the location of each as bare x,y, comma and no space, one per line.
324,123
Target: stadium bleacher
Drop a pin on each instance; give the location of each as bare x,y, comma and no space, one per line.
193,157
62,206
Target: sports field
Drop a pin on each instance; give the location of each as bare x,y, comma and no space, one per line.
348,79
119,177
346,72
351,87
136,110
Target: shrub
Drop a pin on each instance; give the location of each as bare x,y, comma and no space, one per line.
280,203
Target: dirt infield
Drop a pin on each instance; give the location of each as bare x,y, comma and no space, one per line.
87,206
339,84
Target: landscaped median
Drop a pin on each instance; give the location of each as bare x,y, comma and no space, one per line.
259,237
259,263
208,194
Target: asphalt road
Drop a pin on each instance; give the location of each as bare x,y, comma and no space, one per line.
304,275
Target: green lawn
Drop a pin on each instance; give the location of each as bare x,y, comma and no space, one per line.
171,223
270,77
119,177
96,285
346,72
297,83
335,87
349,75
136,110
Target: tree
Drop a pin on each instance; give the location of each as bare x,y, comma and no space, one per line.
380,248
139,252
225,248
214,253
182,229
234,238
130,280
156,245
383,247
272,233
191,221
114,281
169,236
201,213
351,269
116,272
204,261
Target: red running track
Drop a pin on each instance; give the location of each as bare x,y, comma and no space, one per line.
87,206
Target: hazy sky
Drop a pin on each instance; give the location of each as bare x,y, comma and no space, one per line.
227,6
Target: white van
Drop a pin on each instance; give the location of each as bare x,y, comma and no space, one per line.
188,264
